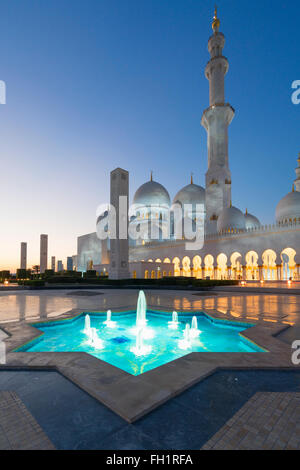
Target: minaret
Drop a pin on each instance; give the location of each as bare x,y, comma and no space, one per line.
297,180
216,120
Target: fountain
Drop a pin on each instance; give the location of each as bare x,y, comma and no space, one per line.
185,343
140,349
94,339
141,310
141,330
194,330
87,325
108,322
174,323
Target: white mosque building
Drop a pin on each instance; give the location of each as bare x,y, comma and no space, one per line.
236,244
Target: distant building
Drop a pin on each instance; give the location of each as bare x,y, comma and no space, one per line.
60,266
43,253
69,263
74,257
23,262
53,263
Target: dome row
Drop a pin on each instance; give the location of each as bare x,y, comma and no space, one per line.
153,193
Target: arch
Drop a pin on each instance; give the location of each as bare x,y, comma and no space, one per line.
167,260
152,274
288,267
134,274
158,260
222,266
186,267
146,274
150,260
269,265
252,271
209,266
176,262
236,268
197,271
164,273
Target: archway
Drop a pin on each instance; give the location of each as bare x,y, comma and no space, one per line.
152,274
222,266
197,271
236,265
209,266
176,262
269,265
252,271
167,260
146,274
186,267
288,264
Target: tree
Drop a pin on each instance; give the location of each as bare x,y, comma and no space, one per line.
36,269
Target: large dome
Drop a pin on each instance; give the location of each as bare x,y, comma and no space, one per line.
152,193
251,221
231,218
190,194
288,207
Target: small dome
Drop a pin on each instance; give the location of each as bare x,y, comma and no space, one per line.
152,193
190,194
231,218
251,221
288,207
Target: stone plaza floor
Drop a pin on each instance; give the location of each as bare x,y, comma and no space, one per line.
72,419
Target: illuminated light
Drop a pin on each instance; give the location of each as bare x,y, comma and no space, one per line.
288,323
262,281
243,283
6,283
289,282
270,320
235,314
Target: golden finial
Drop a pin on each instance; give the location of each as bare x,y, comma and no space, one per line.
151,176
246,211
192,181
230,203
216,22
293,188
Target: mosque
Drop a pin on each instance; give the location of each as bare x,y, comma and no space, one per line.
236,244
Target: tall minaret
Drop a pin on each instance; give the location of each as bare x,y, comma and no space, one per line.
216,120
297,180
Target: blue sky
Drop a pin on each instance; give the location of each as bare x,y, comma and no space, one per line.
96,84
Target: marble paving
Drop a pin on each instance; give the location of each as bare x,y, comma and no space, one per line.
18,428
268,421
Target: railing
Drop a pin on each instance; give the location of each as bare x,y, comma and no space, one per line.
261,229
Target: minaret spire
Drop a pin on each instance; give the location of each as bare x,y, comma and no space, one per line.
192,180
216,119
216,22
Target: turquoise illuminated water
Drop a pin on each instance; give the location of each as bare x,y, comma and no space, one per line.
215,336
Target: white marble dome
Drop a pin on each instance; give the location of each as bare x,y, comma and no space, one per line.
231,218
288,207
152,193
251,221
190,194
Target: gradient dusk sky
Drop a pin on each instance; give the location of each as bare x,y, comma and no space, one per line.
97,84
